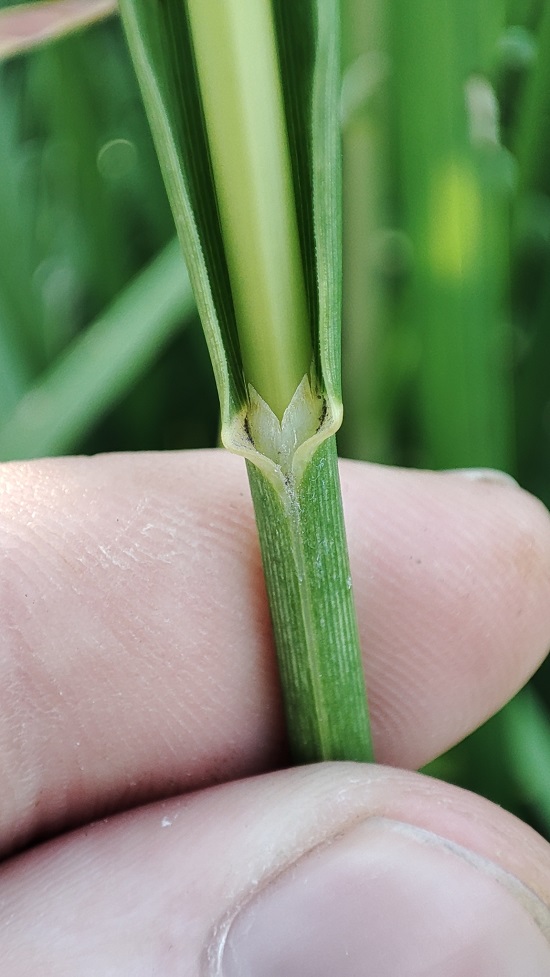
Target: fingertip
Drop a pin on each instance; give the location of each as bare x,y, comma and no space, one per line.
452,581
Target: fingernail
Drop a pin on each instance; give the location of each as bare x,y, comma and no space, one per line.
484,475
389,900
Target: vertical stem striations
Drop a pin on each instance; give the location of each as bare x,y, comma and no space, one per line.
307,573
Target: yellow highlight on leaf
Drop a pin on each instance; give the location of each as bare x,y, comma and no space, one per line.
455,219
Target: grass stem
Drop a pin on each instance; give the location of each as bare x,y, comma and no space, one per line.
243,108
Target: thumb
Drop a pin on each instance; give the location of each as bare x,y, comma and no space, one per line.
390,900
332,870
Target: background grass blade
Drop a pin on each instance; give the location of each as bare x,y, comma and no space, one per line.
527,733
101,365
367,376
455,183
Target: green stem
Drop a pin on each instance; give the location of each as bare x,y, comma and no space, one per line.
260,226
308,578
244,115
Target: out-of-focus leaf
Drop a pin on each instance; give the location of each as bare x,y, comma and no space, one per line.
28,25
102,364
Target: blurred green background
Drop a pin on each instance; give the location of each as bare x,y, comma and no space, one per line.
446,136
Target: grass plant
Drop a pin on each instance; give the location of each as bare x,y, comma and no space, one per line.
446,271
243,105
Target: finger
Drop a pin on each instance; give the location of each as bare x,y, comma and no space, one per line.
453,578
136,653
338,869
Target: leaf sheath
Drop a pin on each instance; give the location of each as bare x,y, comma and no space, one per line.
308,578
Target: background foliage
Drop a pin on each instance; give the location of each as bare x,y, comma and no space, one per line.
446,135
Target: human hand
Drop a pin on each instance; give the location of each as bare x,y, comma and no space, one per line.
137,670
